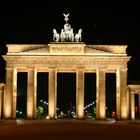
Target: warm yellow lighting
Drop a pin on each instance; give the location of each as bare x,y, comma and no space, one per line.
66,57
51,109
124,112
100,94
7,105
80,113
7,111
69,48
133,114
118,95
118,79
102,110
29,110
35,78
132,103
30,95
80,93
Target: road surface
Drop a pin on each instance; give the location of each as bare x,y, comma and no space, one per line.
69,130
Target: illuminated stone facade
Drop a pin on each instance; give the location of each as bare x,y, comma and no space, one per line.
66,57
132,90
1,99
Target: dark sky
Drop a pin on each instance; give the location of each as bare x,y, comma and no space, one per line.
116,23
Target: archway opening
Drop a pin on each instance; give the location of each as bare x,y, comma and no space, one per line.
66,95
136,96
90,95
21,107
110,95
42,94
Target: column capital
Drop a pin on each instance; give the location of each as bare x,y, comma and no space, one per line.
7,68
32,70
100,69
52,68
80,68
122,69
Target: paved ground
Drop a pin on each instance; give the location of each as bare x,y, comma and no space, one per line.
69,130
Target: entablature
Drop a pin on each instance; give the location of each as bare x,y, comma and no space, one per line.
67,61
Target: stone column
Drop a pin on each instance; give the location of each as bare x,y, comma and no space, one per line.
132,105
80,93
121,94
35,93
100,94
139,105
14,100
128,103
118,106
52,93
1,94
31,93
10,93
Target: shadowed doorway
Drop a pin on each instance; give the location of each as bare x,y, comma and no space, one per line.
66,93
21,107
42,94
110,94
90,95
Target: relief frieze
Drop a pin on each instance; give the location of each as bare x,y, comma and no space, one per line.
65,61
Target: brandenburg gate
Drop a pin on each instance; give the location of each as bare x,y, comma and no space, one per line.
66,57
66,54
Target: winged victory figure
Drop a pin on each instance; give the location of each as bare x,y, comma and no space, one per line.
66,17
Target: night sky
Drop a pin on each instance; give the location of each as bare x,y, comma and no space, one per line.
101,24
